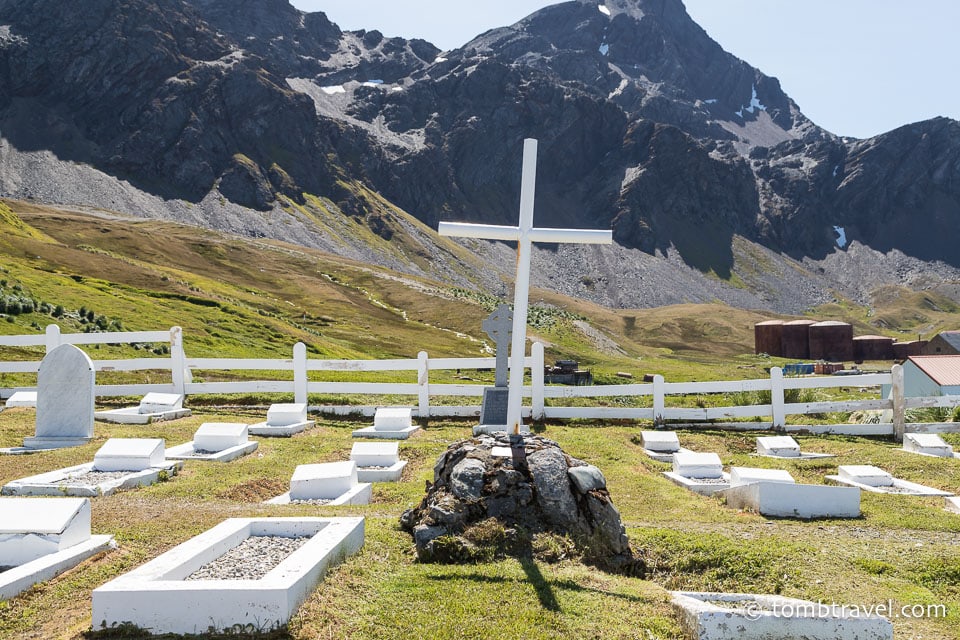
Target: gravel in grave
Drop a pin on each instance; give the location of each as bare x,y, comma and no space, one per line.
250,560
900,490
315,501
708,480
201,453
96,478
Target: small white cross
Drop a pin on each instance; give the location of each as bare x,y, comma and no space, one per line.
524,234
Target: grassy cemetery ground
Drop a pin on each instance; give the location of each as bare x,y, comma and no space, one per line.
903,549
241,298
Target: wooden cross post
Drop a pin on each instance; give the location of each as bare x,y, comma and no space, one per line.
524,235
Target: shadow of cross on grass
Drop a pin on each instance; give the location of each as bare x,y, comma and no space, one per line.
544,587
541,585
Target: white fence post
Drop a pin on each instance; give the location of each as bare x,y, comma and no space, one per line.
896,395
178,360
776,398
53,337
536,381
423,379
300,373
659,398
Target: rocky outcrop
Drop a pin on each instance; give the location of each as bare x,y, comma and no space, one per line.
498,495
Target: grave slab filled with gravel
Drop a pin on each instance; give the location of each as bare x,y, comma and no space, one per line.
251,559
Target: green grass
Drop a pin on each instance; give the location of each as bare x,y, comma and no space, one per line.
243,298
904,549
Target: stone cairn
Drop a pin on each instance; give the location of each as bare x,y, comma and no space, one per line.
497,495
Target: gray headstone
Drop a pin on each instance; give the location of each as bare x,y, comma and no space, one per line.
65,399
499,326
493,411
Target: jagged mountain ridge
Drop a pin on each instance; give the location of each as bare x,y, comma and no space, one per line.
699,162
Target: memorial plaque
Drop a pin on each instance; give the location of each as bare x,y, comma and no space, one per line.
495,404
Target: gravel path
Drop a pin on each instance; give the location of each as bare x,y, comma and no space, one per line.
250,560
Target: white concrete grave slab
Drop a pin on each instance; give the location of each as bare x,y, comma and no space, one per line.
953,504
927,444
377,461
129,454
154,407
283,420
700,472
22,399
159,597
215,441
870,478
720,616
333,483
41,538
121,463
65,398
749,475
661,445
390,423
784,447
790,500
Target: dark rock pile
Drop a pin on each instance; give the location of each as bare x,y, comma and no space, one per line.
498,495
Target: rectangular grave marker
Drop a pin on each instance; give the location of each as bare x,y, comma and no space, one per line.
217,436
378,461
41,538
778,447
284,419
929,444
161,402
390,423
129,454
748,475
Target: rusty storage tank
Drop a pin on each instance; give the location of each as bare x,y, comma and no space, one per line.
767,336
903,350
831,340
872,348
795,339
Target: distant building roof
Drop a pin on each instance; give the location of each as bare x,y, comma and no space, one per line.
944,370
952,338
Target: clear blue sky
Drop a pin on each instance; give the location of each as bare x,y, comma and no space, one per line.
855,67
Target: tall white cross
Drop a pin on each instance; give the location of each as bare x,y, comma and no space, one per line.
524,235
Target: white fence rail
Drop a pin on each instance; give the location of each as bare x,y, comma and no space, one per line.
654,393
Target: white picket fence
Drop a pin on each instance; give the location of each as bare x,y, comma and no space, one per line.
538,393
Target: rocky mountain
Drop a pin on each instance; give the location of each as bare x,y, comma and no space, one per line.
254,117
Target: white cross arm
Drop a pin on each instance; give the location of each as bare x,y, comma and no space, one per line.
574,236
499,232
484,231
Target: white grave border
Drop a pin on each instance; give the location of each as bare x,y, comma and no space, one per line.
155,595
57,483
756,617
908,488
18,579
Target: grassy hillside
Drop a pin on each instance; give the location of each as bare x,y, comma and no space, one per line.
242,297
255,298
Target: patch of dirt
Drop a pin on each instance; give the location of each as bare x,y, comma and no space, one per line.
256,490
